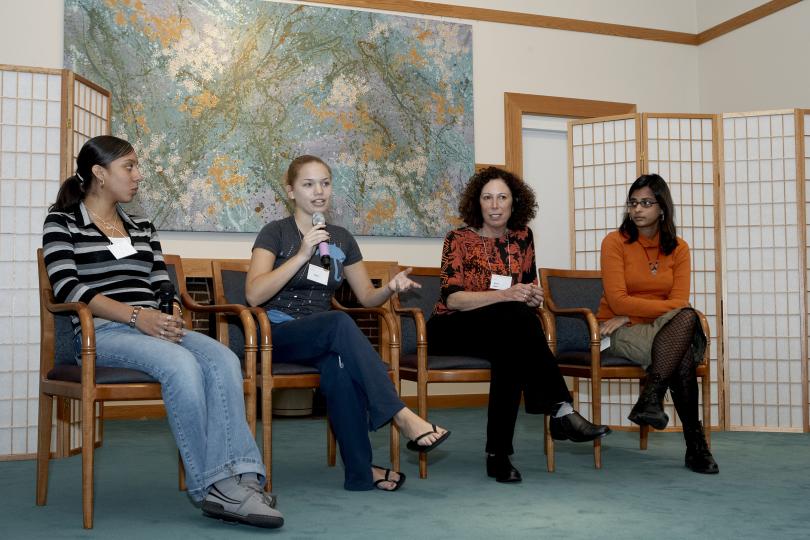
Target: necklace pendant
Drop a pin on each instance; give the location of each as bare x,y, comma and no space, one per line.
653,267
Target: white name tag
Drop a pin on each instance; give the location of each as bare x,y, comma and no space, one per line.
121,247
318,274
500,282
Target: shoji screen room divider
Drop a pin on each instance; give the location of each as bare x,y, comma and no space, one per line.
737,181
39,109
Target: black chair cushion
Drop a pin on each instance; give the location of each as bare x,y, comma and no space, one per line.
447,362
583,358
104,375
283,368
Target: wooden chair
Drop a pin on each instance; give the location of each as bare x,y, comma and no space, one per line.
62,377
571,302
414,308
229,287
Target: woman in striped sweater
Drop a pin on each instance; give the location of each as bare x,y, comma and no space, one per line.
98,254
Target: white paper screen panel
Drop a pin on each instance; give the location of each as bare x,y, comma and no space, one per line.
762,272
91,113
604,161
681,150
604,158
30,119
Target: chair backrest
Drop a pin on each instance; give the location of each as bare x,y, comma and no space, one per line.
424,299
229,288
56,329
571,289
174,266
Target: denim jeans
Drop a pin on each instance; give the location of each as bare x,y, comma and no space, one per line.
201,383
359,394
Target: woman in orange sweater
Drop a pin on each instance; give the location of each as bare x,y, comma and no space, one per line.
645,310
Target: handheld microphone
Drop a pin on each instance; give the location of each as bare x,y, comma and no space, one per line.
323,247
166,298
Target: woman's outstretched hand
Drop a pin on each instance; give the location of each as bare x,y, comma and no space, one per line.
611,325
401,282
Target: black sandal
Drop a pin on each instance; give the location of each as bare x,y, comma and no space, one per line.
425,448
397,483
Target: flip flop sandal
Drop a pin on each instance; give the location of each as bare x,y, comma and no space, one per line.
425,448
397,483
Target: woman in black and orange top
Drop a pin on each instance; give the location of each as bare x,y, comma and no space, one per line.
488,307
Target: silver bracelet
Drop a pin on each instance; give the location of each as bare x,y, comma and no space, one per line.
134,317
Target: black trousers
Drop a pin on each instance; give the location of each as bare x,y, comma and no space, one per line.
510,336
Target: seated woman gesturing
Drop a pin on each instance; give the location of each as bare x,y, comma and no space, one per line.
288,278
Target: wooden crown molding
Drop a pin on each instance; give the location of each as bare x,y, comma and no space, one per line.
560,23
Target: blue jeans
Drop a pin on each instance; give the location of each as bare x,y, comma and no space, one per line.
201,383
359,394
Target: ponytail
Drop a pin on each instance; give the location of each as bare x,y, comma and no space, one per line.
70,193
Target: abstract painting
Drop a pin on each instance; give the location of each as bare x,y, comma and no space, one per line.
217,96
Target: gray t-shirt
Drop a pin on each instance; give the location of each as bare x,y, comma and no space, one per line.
301,297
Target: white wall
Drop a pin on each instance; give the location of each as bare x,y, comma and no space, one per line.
760,66
506,59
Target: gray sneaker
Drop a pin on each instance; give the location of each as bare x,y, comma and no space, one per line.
243,502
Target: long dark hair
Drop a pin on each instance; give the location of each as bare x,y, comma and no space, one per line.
101,150
666,230
524,204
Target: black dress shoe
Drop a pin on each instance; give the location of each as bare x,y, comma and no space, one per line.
575,428
501,469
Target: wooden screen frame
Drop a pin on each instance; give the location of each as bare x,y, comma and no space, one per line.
801,179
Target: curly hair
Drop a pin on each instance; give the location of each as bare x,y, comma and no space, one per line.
524,203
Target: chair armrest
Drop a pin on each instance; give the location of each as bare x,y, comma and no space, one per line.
385,316
420,327
246,318
704,323
88,330
549,327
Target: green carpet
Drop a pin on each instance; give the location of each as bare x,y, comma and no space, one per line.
762,491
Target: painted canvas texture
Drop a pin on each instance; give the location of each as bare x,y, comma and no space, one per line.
218,96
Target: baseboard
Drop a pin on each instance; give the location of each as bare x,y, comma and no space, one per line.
151,410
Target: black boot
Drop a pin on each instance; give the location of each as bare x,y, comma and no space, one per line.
698,457
684,390
649,409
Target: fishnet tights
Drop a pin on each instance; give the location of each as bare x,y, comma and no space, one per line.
672,347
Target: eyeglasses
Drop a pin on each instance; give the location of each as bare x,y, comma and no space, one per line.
645,203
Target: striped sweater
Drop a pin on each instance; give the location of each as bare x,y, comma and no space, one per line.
80,265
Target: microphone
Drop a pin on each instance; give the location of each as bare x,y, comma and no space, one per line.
166,298
323,247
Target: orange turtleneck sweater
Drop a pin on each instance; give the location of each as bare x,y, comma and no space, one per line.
631,289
